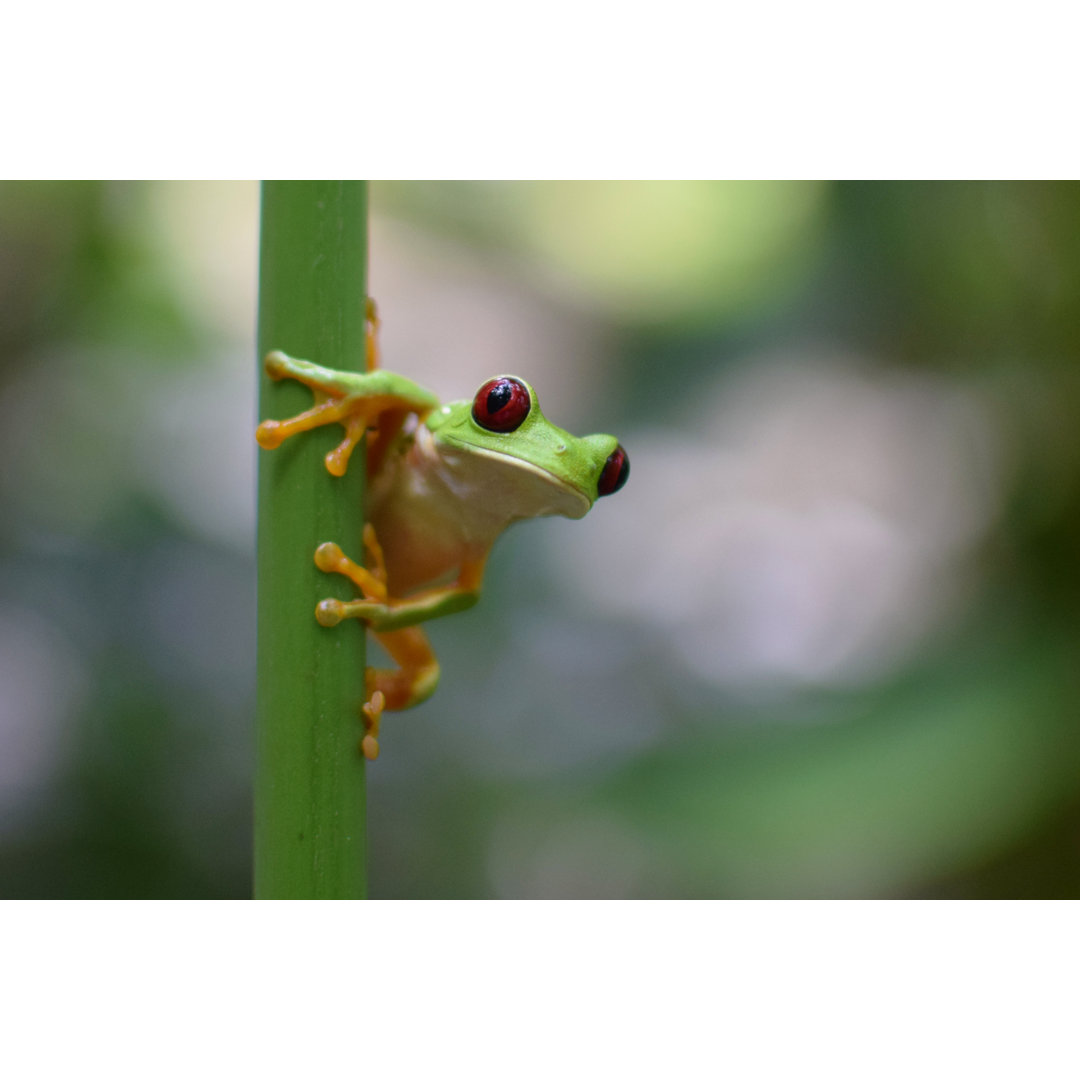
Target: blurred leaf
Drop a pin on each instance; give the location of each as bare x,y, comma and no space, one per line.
645,252
942,775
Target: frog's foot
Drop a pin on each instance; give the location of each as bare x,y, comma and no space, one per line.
376,604
372,583
373,710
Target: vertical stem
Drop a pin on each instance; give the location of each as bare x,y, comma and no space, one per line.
310,840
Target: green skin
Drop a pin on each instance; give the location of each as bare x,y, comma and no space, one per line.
446,487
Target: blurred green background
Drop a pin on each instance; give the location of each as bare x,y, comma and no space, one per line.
824,644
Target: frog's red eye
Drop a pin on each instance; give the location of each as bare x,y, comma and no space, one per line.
501,404
615,473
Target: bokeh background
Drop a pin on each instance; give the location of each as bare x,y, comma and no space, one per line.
824,644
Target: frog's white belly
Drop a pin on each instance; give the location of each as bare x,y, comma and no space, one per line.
435,507
423,542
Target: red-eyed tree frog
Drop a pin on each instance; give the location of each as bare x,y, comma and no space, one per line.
443,482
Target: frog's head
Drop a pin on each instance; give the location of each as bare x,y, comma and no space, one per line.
503,423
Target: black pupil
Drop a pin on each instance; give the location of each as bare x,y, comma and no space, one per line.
499,397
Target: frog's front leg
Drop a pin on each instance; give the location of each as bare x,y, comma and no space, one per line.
356,400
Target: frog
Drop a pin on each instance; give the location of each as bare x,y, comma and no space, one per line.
444,481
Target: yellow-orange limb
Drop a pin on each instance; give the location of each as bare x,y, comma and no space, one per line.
373,710
332,560
389,422
417,674
375,403
354,415
471,575
393,689
356,425
372,335
375,552
272,433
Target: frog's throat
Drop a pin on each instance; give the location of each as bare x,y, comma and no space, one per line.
584,503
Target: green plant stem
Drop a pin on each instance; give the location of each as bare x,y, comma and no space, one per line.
310,840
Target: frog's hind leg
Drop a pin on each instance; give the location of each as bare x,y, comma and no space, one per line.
412,682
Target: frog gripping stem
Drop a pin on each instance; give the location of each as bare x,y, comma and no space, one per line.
333,405
417,675
448,479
